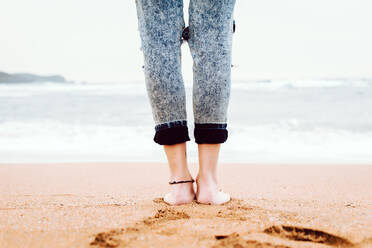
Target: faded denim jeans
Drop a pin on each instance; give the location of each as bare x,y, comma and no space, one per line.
161,25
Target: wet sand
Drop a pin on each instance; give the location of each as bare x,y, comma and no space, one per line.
120,205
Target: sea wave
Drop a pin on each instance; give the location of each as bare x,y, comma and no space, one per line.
282,142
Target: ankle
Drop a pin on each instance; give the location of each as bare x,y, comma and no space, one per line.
183,190
180,176
206,178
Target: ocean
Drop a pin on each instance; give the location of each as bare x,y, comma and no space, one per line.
270,121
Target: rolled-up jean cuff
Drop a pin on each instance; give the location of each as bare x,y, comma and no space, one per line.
210,133
171,133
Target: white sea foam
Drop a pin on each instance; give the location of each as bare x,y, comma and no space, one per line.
50,141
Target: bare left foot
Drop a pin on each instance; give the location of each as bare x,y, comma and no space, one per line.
182,193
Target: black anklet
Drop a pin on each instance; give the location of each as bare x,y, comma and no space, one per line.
186,181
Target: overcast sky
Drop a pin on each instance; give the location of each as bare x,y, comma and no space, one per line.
98,41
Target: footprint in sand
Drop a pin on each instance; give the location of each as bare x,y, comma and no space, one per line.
287,233
307,234
123,237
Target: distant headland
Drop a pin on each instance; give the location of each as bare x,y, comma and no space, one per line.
30,78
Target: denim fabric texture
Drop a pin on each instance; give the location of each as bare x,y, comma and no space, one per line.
161,24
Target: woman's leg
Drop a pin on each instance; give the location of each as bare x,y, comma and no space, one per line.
211,30
208,191
161,23
177,159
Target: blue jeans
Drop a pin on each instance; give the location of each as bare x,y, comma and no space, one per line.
161,25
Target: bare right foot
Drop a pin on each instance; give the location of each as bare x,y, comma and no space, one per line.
209,193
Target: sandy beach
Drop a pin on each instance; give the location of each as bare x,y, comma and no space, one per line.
120,205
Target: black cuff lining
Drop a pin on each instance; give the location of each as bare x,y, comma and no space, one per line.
171,136
210,133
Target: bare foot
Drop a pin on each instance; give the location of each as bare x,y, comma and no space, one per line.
209,193
181,193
